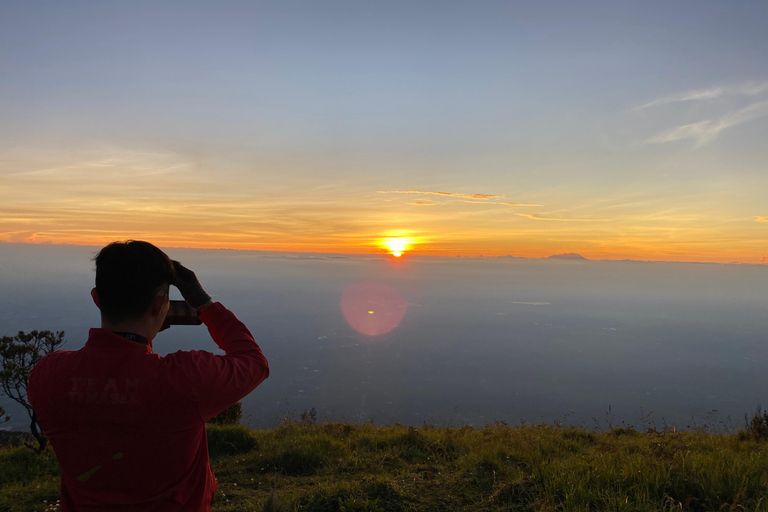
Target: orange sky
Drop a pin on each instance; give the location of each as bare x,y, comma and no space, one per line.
174,209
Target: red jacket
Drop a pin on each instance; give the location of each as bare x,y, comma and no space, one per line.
128,426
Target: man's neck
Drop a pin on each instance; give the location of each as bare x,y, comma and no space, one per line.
138,326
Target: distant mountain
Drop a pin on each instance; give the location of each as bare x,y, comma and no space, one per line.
567,256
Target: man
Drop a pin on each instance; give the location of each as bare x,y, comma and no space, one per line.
127,425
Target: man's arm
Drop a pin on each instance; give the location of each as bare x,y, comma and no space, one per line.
216,382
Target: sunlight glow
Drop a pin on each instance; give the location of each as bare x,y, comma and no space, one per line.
396,246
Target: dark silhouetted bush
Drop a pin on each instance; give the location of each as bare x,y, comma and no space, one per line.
757,427
22,465
229,416
18,355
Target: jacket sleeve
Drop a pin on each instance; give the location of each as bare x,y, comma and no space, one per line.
216,382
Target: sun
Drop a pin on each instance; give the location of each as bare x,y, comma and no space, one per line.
396,246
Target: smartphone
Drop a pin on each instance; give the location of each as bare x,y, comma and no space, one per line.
181,313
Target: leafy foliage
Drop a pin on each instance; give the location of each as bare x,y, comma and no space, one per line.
18,355
309,417
18,464
229,416
757,427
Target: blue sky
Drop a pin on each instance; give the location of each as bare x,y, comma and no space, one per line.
637,127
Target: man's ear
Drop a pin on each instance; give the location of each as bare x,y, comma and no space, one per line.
158,304
95,297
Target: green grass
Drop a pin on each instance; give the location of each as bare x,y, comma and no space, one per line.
364,468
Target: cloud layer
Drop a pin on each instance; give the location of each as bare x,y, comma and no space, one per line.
446,194
705,131
466,198
747,89
536,216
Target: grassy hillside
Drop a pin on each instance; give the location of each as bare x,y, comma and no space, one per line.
354,468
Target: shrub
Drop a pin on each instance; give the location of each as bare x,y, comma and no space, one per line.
229,416
229,440
274,504
414,445
308,418
23,465
518,494
18,355
757,427
584,436
619,431
305,456
411,444
484,474
385,496
341,500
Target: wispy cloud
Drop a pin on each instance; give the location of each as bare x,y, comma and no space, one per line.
747,89
536,216
764,259
19,236
445,194
706,131
761,219
466,198
137,165
695,130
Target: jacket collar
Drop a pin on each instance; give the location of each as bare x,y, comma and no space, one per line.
105,339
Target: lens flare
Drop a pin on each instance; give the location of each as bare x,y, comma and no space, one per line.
372,308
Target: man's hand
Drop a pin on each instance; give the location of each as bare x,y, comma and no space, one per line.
189,286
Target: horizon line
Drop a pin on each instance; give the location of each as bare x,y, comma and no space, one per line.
411,254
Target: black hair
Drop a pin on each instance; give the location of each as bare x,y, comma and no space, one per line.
128,276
